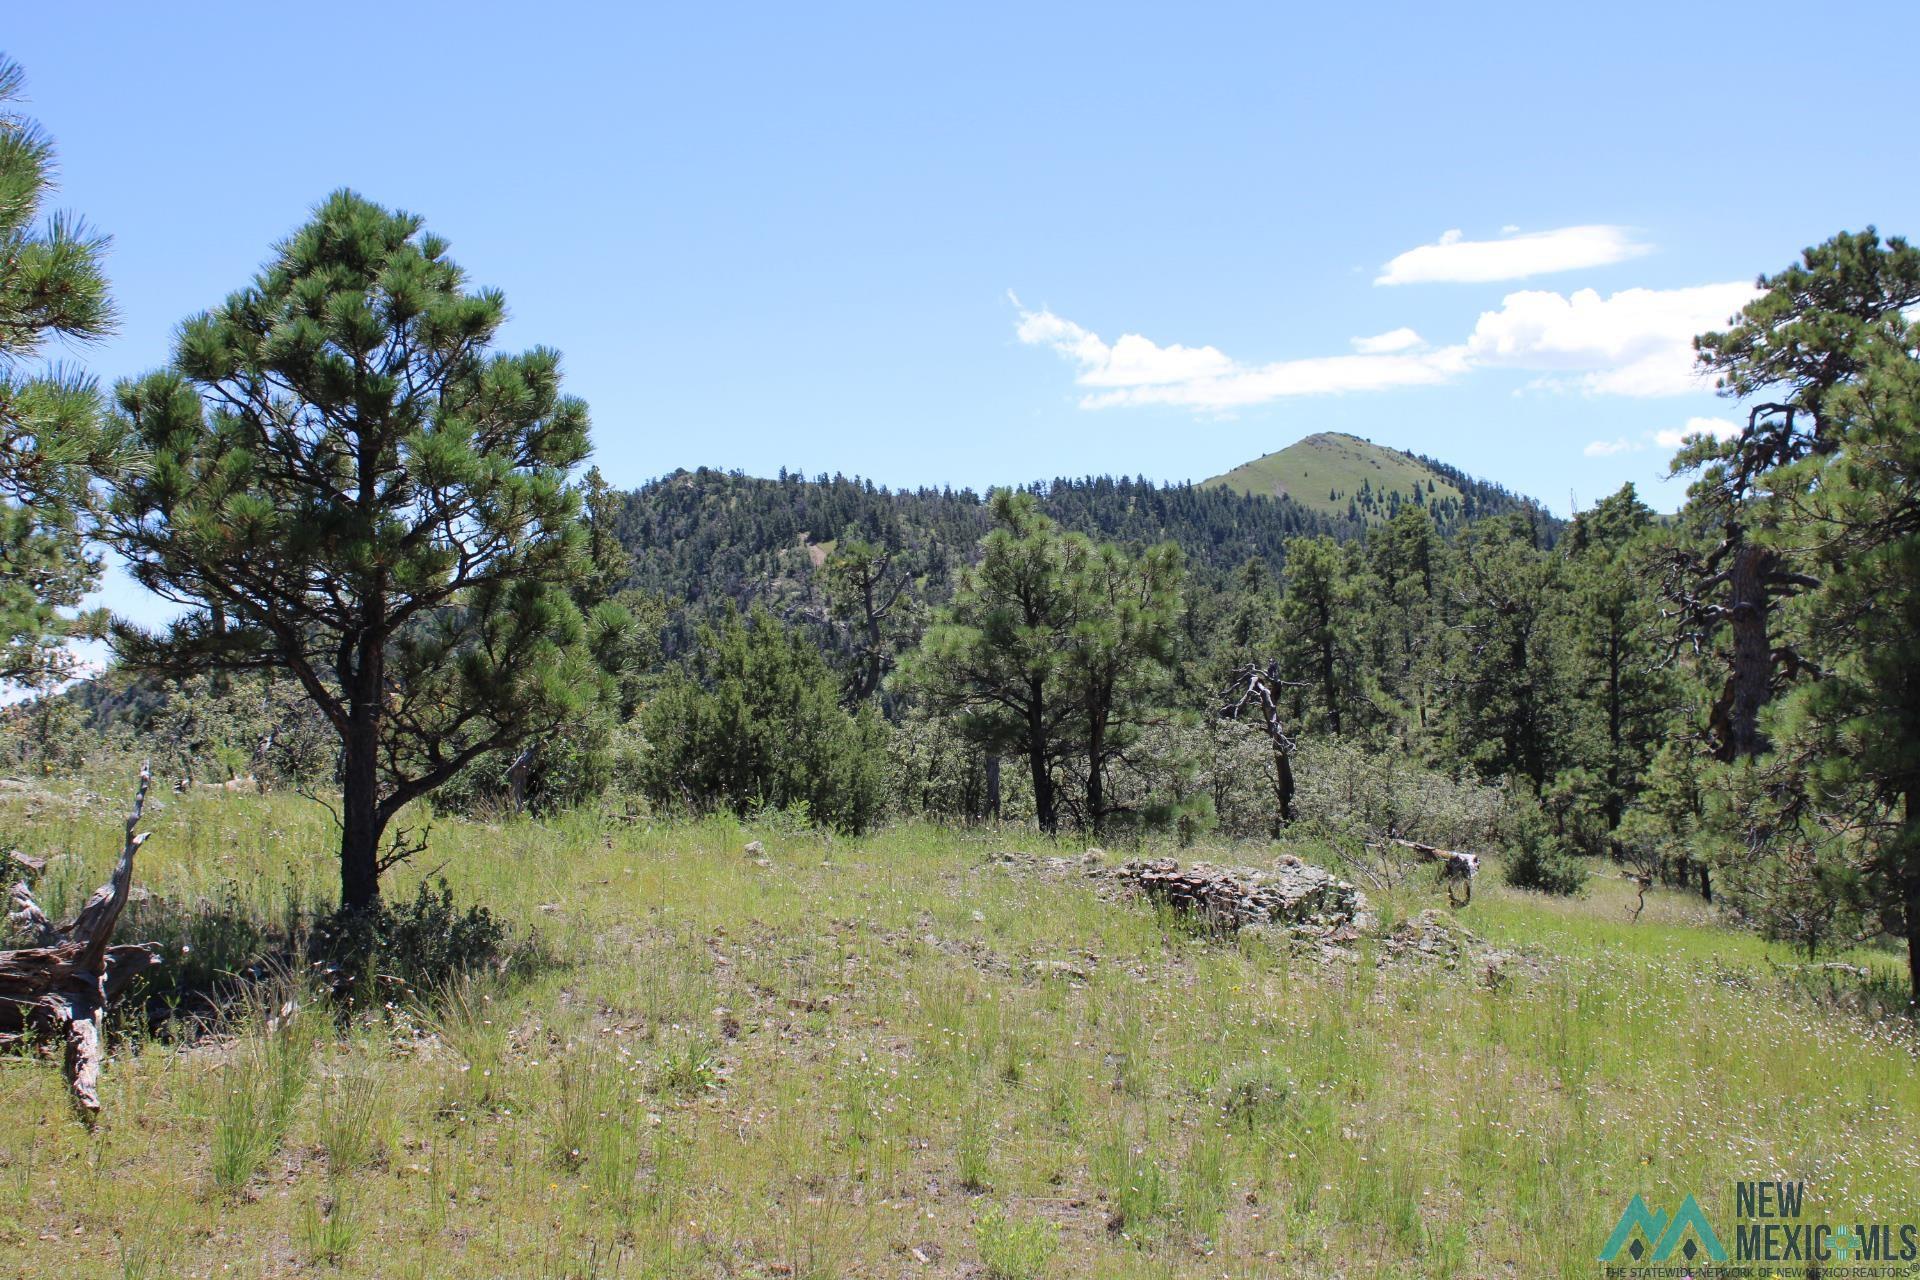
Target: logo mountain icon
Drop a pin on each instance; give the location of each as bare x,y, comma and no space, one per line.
1663,1235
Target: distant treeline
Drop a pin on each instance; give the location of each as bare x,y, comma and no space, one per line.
707,535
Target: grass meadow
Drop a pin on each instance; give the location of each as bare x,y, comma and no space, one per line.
888,1057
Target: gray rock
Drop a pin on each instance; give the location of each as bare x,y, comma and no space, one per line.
1294,894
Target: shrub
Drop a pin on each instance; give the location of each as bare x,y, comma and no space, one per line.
212,946
754,720
1375,794
1537,856
422,944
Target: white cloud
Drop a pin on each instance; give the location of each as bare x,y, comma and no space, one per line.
1133,361
1637,342
1718,428
1134,370
1401,339
1607,448
1453,259
1669,438
1315,376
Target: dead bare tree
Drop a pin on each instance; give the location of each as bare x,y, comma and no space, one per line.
1641,882
1257,686
64,983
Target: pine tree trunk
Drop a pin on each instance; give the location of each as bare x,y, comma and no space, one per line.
1043,807
360,815
1616,802
1752,679
1327,670
1913,934
870,668
1096,747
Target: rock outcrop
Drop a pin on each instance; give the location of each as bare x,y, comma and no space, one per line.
1292,895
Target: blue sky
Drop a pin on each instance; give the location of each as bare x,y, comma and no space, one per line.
794,235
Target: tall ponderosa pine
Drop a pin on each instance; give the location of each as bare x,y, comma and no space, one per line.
994,657
1827,475
1794,349
1317,637
51,435
348,485
1862,711
1120,654
1510,672
1624,689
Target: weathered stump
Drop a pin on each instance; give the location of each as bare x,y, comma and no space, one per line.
62,986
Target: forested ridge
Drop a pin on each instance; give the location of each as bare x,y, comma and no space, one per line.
695,535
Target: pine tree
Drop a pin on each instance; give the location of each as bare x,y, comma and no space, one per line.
754,720
994,656
1509,670
1400,607
1798,346
346,484
52,439
1830,476
1864,706
1625,691
1250,615
1826,476
1316,632
1120,654
866,585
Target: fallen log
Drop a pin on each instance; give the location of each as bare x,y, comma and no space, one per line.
1455,867
63,985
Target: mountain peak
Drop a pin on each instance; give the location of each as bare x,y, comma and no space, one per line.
1332,472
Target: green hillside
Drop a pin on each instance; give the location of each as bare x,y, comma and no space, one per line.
1327,471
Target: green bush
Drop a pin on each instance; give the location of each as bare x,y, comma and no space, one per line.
419,945
753,722
1538,857
1350,787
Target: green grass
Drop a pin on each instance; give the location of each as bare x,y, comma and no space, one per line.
1331,462
859,1062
